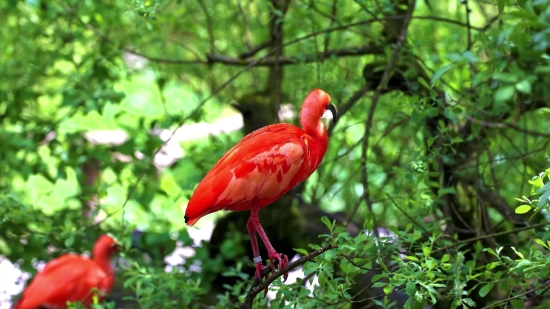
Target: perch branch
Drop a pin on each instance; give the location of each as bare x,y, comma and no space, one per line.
259,286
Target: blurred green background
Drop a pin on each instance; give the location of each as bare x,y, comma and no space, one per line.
443,134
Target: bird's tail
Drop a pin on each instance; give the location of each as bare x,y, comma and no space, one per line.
189,221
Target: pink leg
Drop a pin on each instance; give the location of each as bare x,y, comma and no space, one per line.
257,257
272,255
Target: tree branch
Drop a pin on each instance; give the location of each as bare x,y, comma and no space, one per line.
259,286
255,50
467,241
376,96
546,286
306,58
233,61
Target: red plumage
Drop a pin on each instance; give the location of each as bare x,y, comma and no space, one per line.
72,277
262,167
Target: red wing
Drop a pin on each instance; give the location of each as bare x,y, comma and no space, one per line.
69,278
261,166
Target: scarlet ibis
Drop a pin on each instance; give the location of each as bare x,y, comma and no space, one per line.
72,278
262,167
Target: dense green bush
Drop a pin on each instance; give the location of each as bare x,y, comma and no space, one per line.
434,191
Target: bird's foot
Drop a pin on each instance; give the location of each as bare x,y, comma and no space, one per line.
283,262
259,268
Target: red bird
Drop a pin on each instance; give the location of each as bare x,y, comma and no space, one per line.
71,278
262,167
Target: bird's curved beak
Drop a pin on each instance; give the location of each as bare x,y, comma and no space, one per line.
332,109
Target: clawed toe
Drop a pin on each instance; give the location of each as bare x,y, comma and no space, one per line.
259,268
282,263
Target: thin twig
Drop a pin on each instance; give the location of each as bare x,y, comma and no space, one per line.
355,97
467,241
332,20
376,96
406,214
545,285
469,35
300,59
208,26
246,28
253,51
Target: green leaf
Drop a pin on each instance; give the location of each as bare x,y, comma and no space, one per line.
426,251
470,302
517,303
388,289
485,289
522,209
545,194
504,93
476,128
378,277
301,251
439,73
327,222
506,77
524,86
69,241
410,288
500,4
412,258
369,222
540,242
445,258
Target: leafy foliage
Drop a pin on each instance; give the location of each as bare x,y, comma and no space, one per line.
428,181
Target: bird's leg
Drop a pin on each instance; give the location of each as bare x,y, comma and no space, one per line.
256,251
272,255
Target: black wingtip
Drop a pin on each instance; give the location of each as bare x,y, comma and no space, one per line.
186,219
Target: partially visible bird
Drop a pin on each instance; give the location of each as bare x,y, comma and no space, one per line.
72,278
262,167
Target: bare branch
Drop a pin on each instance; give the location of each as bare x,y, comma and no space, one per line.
332,20
306,58
246,28
208,26
376,96
234,61
471,240
127,49
507,125
253,51
545,286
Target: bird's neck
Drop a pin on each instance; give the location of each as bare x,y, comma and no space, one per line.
310,119
103,259
317,131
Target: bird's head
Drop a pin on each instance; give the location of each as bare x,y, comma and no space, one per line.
316,103
106,244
